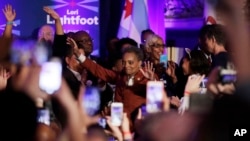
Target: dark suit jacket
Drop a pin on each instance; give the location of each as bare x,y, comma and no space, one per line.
72,82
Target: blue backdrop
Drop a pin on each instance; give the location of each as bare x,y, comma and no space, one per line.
75,15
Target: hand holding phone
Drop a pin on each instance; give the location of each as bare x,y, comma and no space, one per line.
51,76
227,76
43,116
203,86
155,93
91,100
116,113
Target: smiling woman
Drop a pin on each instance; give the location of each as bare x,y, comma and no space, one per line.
154,47
132,61
130,83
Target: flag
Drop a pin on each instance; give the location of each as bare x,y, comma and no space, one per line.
210,13
134,19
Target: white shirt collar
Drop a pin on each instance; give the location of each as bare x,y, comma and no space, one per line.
76,74
207,56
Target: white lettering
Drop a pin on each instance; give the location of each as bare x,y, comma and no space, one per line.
240,132
50,21
72,12
237,133
74,20
96,19
243,131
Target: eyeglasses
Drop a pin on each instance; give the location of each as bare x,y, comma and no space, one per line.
158,45
84,41
48,33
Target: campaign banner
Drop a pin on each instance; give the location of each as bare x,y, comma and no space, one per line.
75,15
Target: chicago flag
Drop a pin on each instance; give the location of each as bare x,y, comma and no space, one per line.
134,19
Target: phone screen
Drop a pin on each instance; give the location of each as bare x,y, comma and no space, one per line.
102,122
116,114
203,86
154,96
143,110
43,116
228,76
164,59
21,51
41,53
51,76
91,100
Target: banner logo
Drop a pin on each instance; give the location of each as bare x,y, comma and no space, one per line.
72,14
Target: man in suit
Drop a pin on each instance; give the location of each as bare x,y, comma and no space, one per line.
85,42
75,75
72,72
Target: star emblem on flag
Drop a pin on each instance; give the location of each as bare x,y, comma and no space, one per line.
128,8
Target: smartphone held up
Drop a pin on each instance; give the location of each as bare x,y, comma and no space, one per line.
154,101
91,100
51,76
116,113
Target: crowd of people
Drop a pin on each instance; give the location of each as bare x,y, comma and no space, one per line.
204,97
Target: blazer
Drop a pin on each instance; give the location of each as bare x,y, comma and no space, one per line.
132,97
73,83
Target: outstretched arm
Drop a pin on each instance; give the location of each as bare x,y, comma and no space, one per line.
10,15
56,17
96,69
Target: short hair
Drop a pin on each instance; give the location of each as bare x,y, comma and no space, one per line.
69,51
132,49
70,34
147,31
41,29
115,58
152,39
198,62
77,35
215,30
124,41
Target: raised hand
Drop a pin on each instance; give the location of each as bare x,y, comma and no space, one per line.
148,71
184,105
4,76
125,128
51,12
10,14
73,44
115,131
27,80
193,84
76,122
174,100
171,70
86,119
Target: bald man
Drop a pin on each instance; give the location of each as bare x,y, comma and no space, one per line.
46,32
